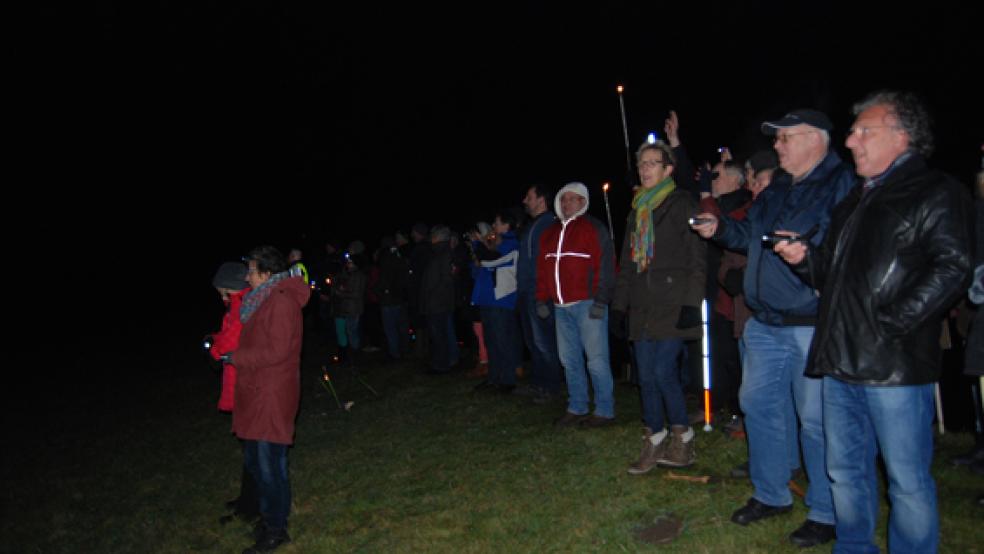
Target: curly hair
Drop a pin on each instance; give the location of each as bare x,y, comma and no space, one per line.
911,113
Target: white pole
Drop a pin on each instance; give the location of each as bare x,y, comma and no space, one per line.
706,352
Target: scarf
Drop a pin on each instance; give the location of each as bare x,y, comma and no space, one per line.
644,202
256,298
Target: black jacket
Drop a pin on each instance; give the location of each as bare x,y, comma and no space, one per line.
437,281
893,262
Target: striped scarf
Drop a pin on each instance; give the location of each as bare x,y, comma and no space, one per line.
644,202
256,298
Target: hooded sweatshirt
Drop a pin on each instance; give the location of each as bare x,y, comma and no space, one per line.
577,257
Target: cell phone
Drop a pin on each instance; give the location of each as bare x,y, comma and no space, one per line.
721,149
700,220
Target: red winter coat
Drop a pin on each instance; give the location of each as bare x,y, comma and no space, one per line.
268,360
227,340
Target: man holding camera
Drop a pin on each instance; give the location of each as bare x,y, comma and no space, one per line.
777,339
897,257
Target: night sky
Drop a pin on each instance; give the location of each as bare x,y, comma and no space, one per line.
185,134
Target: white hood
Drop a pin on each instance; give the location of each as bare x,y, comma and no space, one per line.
575,187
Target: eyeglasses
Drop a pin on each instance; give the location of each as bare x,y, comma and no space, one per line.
784,138
861,132
649,164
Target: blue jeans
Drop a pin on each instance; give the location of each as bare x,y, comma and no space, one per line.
501,329
659,382
773,362
860,420
396,326
578,336
347,331
267,463
443,341
540,336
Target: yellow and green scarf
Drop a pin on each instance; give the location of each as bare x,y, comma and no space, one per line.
644,202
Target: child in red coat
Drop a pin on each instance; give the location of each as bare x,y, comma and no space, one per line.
230,281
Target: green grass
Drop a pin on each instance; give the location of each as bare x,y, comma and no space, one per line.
429,466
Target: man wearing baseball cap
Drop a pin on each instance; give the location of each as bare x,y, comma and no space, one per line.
777,338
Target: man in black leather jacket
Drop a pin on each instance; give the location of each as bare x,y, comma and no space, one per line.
897,256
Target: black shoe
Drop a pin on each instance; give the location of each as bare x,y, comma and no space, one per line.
812,533
570,420
505,389
269,541
232,504
755,510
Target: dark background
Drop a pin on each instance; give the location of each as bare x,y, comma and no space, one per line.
164,138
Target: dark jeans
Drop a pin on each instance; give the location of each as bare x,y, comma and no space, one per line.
443,342
502,339
541,339
396,327
267,462
726,371
659,383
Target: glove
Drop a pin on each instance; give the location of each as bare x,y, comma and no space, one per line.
617,324
597,311
542,310
689,317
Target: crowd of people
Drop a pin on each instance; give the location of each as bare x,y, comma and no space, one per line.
827,284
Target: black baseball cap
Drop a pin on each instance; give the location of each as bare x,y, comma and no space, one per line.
806,116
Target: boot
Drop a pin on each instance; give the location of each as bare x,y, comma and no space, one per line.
651,452
680,452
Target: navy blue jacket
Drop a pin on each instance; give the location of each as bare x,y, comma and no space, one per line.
529,249
773,291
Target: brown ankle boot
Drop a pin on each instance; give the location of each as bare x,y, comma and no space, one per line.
650,455
678,452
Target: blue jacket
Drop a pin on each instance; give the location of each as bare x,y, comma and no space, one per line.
529,249
775,294
495,280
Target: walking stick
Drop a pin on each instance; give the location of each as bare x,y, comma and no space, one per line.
625,134
706,352
608,210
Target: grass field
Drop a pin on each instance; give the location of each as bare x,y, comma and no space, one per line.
429,466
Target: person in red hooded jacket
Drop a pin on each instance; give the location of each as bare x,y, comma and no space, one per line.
268,385
230,282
